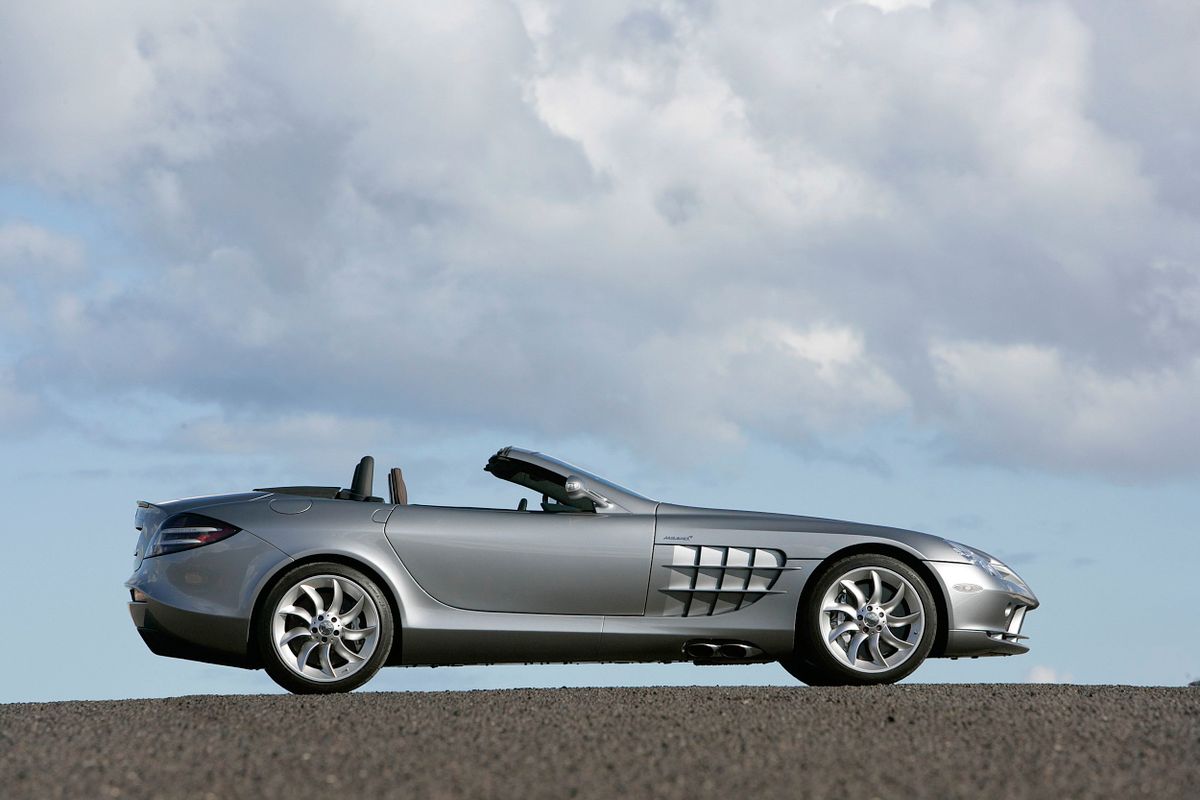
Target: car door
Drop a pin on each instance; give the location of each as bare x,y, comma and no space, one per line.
527,561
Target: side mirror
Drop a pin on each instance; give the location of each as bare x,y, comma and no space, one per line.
577,491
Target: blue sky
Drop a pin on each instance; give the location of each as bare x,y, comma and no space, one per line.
934,265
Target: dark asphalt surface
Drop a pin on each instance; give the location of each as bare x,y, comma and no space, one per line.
887,742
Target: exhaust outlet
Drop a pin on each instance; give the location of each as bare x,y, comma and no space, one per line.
722,651
734,651
702,650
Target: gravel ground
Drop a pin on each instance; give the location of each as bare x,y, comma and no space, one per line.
886,742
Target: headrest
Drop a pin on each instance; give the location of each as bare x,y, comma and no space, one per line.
364,478
397,488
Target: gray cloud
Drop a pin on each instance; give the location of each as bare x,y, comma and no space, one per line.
681,226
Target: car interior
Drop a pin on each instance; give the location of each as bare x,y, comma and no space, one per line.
362,486
550,485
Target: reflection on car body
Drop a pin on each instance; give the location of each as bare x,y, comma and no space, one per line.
323,586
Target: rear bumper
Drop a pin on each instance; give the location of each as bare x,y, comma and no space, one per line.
197,604
986,615
163,643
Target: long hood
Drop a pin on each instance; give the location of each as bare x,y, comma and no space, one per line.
678,524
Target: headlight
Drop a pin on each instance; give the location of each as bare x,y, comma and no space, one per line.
992,566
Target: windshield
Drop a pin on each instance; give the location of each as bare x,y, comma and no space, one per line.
539,479
571,469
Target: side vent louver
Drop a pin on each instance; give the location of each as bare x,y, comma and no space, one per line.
703,581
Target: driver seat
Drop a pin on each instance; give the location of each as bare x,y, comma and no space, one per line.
396,487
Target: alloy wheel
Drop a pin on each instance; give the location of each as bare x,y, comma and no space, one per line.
325,628
871,619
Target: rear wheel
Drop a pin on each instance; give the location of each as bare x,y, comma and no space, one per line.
325,628
806,672
869,619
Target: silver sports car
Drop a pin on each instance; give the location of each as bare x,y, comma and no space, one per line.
322,586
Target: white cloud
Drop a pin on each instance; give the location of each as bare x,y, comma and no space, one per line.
34,263
666,222
25,247
1031,405
731,382
888,6
319,433
1044,674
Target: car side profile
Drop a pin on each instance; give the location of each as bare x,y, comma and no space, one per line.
323,586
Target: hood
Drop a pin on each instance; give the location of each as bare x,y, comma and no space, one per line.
782,522
707,522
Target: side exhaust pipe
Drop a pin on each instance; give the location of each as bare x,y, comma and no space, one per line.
736,651
702,650
721,651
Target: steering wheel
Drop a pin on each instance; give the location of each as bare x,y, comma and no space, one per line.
523,505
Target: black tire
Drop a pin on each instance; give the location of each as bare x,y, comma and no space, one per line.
285,675
805,671
814,663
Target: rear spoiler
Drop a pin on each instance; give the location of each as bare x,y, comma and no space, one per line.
139,516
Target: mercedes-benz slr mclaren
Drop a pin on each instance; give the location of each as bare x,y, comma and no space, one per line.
323,586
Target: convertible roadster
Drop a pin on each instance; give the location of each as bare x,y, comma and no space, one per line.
322,586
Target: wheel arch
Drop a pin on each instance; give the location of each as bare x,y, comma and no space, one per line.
333,558
922,569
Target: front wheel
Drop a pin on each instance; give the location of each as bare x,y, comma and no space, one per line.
324,628
869,619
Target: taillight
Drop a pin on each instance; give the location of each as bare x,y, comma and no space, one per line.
185,531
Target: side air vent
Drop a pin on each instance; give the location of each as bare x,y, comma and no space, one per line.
703,581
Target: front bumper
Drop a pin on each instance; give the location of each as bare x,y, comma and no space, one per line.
985,614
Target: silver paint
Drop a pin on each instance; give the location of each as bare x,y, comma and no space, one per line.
638,580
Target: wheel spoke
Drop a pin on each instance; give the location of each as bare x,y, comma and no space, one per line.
335,605
346,652
294,633
296,611
842,629
895,601
354,610
354,634
891,639
305,652
345,609
855,646
842,607
855,592
873,641
326,664
318,603
869,590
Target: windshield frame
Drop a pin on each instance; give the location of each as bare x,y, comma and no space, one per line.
622,499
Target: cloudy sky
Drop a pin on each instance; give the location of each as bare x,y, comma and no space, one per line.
932,264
